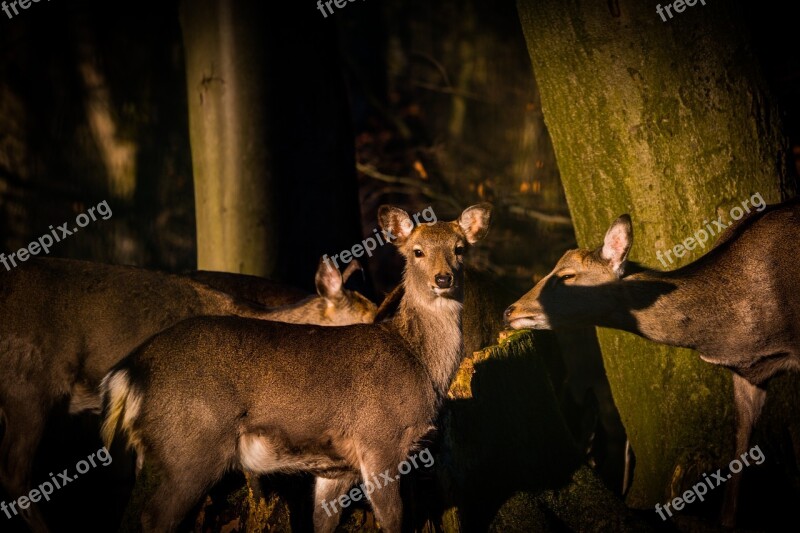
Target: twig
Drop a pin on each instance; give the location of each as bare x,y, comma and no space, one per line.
372,172
449,90
436,64
538,215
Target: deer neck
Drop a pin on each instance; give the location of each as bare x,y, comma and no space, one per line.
432,330
307,311
664,307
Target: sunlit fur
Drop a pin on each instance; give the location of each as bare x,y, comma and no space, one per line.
738,305
64,324
340,403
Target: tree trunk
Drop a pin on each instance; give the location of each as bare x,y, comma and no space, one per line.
670,122
273,157
272,143
229,137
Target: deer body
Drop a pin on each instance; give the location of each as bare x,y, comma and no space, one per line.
342,403
746,324
250,288
64,325
738,305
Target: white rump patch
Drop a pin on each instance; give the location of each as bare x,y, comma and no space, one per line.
124,405
133,405
257,454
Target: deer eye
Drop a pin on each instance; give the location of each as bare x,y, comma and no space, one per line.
459,250
565,277
419,253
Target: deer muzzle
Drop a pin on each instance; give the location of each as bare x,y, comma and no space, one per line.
517,316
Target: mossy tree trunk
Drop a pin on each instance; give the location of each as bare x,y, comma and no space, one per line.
670,122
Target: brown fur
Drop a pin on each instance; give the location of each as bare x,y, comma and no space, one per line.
215,393
738,305
484,302
65,323
252,289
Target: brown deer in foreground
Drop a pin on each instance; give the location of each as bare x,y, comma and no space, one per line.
738,305
484,302
65,323
213,394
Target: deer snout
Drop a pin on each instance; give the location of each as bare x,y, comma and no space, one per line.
525,314
444,281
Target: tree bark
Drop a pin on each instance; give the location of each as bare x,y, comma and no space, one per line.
272,143
670,122
229,137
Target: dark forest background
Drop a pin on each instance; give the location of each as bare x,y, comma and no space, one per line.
437,99
410,102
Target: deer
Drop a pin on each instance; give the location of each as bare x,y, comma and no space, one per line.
258,290
212,394
485,299
65,323
737,305
333,305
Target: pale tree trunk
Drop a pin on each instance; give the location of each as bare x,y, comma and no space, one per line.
273,162
229,136
272,143
670,122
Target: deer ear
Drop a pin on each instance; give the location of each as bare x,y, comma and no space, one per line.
617,244
474,222
396,223
352,267
328,280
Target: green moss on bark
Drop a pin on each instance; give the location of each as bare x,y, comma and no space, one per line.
584,504
671,123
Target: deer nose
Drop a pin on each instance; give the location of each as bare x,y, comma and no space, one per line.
507,313
444,281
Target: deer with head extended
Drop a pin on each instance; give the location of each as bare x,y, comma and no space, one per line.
349,403
65,323
738,305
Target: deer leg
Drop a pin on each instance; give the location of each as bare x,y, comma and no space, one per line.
168,505
385,495
748,400
326,494
181,475
177,490
24,425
